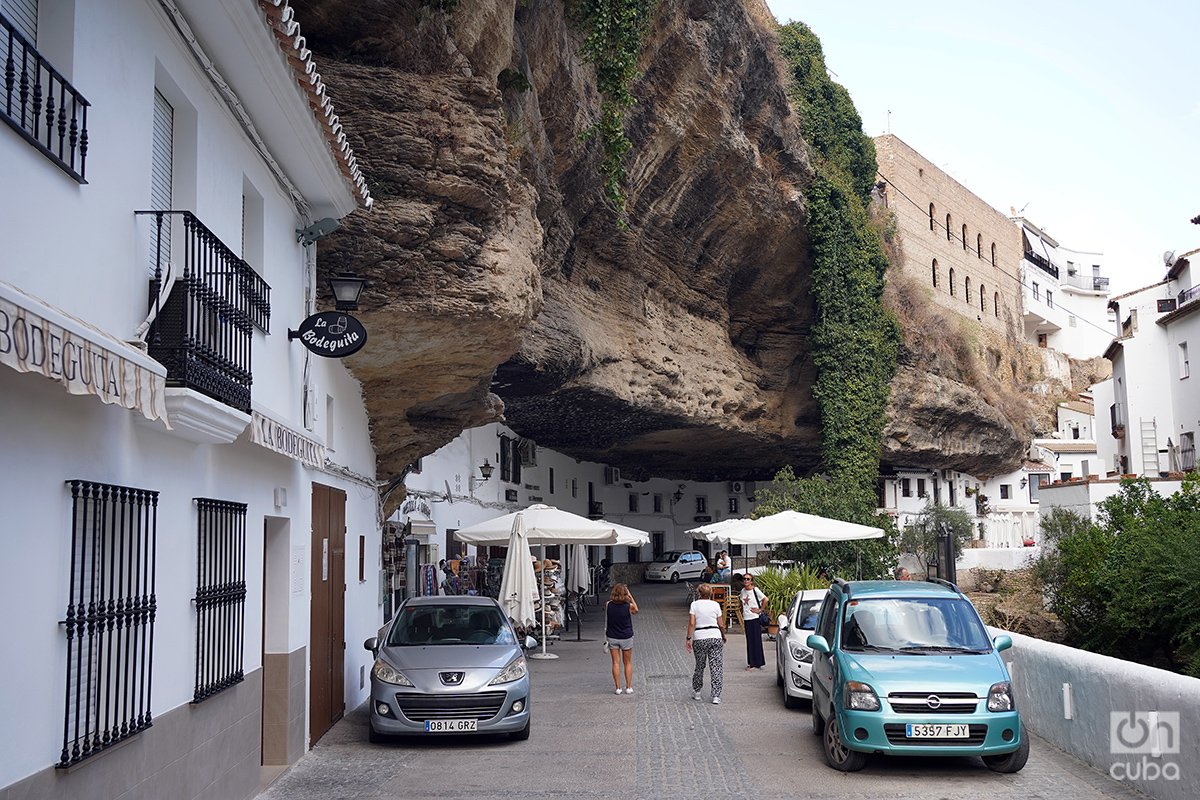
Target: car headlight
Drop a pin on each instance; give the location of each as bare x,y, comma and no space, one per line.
389,674
1000,697
800,654
861,697
513,672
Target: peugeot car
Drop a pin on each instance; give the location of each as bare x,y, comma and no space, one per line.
449,665
908,668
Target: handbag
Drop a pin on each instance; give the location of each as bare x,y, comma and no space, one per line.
606,647
763,618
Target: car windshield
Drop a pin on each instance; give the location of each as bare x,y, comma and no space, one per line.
450,624
916,625
669,557
806,614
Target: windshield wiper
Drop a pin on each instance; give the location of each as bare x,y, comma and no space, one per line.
938,648
873,648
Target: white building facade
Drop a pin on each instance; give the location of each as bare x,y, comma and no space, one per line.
192,514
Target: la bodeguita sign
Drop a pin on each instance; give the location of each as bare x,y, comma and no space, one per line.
333,334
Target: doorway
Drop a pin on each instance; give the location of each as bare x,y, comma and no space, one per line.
327,623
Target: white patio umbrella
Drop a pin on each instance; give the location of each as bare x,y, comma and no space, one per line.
543,525
715,527
630,537
518,584
793,526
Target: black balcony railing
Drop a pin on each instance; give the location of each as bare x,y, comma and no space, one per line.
204,311
1041,262
42,105
1188,295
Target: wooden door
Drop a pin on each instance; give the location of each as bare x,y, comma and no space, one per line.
327,623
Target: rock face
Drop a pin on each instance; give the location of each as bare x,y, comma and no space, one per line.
501,283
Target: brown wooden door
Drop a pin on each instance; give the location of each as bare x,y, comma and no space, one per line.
327,624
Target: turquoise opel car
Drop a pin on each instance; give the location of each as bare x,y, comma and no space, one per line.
907,668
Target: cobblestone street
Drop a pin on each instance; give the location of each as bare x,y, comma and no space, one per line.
656,743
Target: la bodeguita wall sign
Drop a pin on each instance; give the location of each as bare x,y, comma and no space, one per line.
333,334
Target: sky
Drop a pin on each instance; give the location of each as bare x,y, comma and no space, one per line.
1084,115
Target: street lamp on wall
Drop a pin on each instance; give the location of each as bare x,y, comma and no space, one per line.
485,470
346,288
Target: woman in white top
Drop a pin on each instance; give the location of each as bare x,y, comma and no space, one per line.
754,602
706,641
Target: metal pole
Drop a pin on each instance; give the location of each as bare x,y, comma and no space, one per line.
542,594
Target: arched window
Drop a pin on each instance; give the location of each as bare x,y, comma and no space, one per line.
982,298
993,254
964,236
952,281
948,228
935,273
932,212
996,304
967,288
979,245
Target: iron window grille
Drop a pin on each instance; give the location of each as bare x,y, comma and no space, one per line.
41,105
203,318
220,596
110,617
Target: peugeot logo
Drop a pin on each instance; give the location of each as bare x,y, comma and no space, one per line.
933,701
453,678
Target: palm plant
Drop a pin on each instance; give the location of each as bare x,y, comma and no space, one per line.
780,586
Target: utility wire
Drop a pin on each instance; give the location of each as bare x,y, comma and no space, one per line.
953,236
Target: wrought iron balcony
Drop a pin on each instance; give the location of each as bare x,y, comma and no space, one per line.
1041,263
42,105
1188,295
205,303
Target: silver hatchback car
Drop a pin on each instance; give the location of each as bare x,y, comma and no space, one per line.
449,665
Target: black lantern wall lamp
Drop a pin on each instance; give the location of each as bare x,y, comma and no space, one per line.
335,334
485,470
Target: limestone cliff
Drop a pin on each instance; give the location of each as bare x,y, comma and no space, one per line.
502,285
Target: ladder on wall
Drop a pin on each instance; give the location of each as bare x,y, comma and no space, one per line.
1149,447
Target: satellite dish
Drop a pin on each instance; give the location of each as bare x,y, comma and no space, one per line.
1169,258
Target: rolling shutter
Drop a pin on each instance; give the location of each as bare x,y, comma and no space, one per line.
160,176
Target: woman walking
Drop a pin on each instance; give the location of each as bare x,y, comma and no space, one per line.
754,602
618,629
706,641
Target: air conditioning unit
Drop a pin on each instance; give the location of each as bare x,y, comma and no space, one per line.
947,474
736,487
612,476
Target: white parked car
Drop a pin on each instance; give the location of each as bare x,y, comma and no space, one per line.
676,565
793,657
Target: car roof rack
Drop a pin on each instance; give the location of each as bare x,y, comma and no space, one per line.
844,586
945,583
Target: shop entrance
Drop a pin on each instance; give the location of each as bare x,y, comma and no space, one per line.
327,623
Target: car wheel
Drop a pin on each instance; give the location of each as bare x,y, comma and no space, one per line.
522,734
1010,762
818,724
837,754
779,678
674,577
375,737
788,700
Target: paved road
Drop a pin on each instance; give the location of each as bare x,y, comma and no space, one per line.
657,743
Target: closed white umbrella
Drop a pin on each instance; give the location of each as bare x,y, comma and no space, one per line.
579,569
518,584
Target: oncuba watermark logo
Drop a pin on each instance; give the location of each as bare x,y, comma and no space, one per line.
1149,734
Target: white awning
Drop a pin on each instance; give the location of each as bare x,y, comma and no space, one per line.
276,436
1036,244
37,337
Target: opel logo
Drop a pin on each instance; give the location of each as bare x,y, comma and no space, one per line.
451,678
933,701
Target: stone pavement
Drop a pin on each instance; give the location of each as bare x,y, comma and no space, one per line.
658,742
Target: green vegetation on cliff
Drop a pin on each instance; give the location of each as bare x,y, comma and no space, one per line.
854,339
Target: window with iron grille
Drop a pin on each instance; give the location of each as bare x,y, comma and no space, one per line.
110,617
220,596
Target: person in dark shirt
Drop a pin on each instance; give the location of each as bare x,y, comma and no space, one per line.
618,630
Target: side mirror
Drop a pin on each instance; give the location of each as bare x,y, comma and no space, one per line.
1002,642
371,644
818,643
529,643
782,622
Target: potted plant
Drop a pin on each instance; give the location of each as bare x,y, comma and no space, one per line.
780,587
